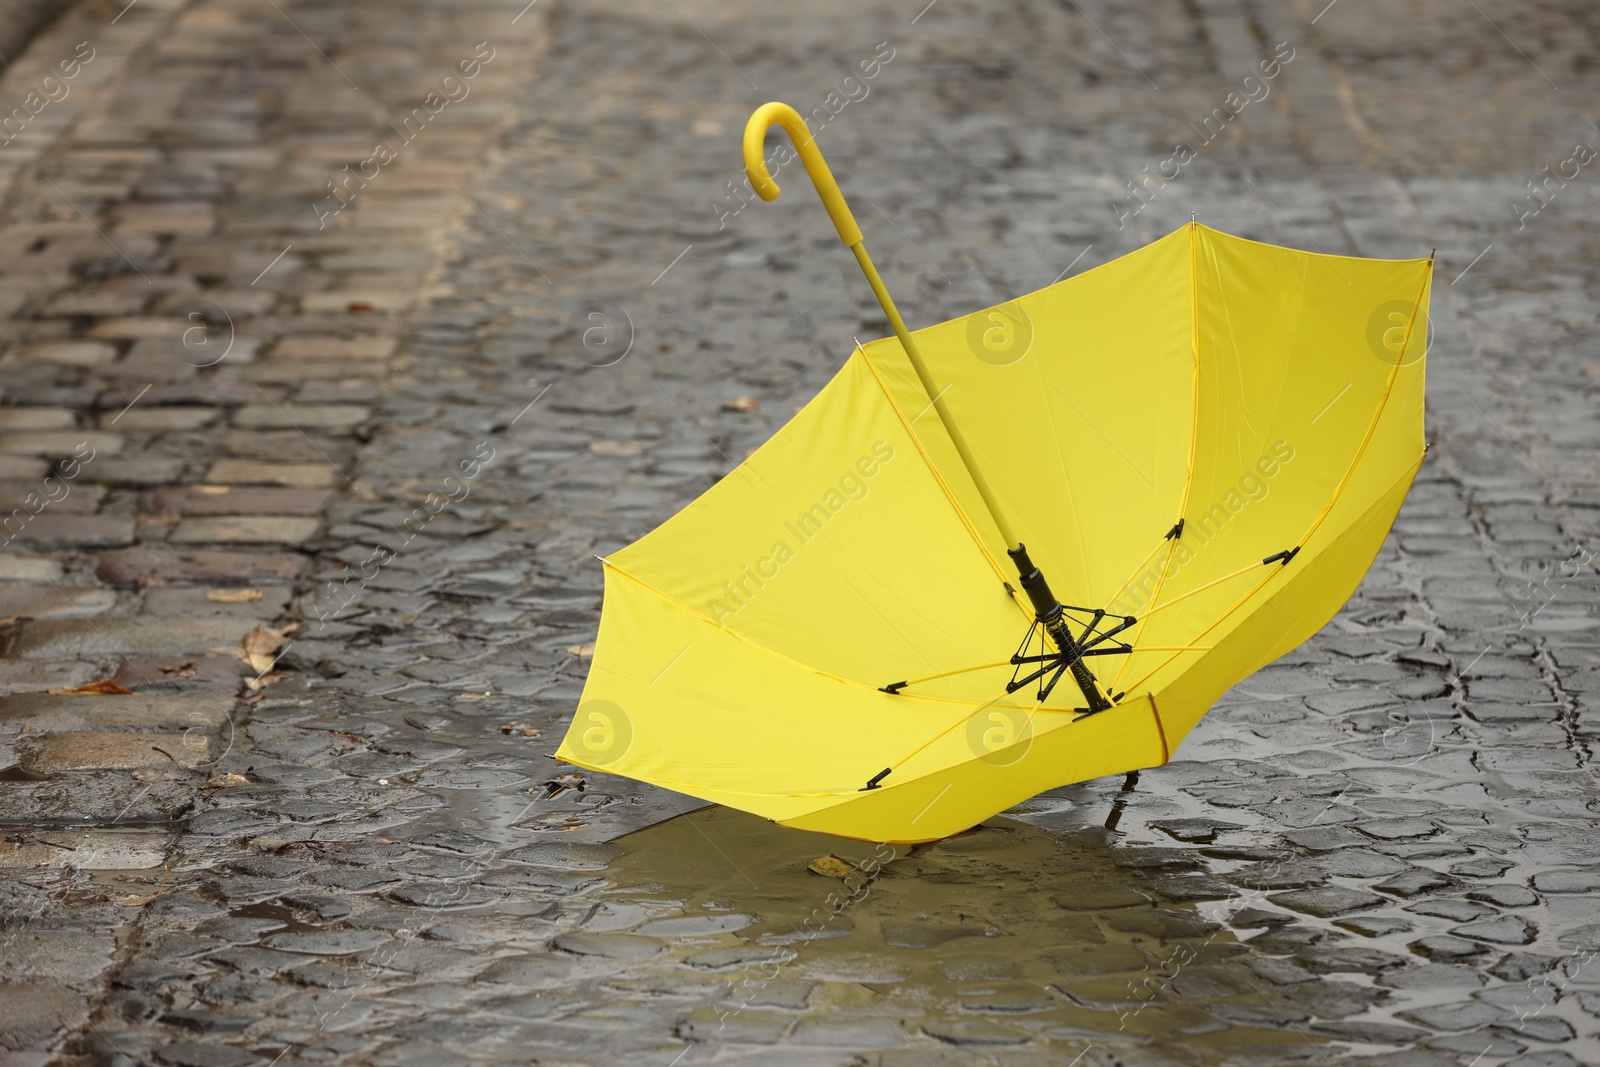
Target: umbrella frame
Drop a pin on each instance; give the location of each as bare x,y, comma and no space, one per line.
1050,615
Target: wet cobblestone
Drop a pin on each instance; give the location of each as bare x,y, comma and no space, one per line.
355,849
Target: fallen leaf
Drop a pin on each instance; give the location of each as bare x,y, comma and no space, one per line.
562,782
213,490
137,902
219,780
348,737
259,645
616,448
530,732
182,670
831,866
408,618
104,687
359,305
582,650
747,404
232,596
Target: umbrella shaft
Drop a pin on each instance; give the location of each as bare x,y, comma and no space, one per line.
935,394
1048,610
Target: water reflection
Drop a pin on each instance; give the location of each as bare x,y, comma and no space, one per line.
1008,944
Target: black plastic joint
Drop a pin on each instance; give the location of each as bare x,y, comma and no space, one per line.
1176,531
872,783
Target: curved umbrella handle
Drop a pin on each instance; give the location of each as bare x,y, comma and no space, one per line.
755,135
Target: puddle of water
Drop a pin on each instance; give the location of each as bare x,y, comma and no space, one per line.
1008,936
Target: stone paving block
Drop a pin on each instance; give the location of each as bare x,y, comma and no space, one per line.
70,353
73,958
37,418
54,602
1576,881
147,566
51,530
155,419
1327,901
182,674
59,752
300,416
60,443
266,603
242,500
46,711
133,328
149,470
35,1011
246,529
121,802
106,639
79,496
295,475
23,468
339,348
291,446
24,676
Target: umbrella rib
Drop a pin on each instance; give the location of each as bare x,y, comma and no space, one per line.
1410,473
1194,445
933,468
743,639
1136,571
1181,597
890,621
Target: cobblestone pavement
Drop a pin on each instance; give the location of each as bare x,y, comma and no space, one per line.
308,439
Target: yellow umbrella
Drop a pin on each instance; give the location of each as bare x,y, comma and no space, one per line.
1203,443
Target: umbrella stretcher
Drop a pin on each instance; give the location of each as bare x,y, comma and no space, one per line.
1203,444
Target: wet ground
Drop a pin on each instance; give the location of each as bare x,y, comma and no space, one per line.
1379,850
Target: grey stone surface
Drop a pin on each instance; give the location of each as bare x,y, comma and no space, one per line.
376,864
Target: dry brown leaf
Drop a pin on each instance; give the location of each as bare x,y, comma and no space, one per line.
104,687
219,780
747,404
259,645
581,650
213,490
563,782
232,596
831,866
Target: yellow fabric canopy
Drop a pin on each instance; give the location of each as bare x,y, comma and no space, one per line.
1270,399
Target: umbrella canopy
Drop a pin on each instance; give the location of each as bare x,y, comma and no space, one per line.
1204,444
